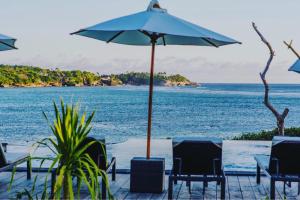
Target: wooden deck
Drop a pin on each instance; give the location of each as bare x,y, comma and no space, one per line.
237,187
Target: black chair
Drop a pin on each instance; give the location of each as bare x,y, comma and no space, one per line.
97,152
197,160
9,160
282,165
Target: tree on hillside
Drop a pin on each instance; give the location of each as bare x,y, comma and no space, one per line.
280,117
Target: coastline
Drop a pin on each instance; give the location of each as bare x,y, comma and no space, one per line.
28,76
78,86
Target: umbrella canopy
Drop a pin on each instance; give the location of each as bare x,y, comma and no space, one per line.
136,29
7,43
155,26
295,67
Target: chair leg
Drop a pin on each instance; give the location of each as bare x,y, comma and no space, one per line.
53,180
113,176
218,181
175,181
223,185
205,182
187,183
170,189
29,169
272,189
257,174
103,185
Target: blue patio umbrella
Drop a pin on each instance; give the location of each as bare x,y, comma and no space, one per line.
155,26
296,66
7,43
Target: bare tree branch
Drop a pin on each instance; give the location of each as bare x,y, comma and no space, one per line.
289,45
280,117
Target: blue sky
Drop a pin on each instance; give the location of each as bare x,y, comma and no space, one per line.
43,26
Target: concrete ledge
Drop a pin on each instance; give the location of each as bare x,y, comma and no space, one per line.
127,171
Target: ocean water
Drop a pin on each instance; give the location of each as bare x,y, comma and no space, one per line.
219,110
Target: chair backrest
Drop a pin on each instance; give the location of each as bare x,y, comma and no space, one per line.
197,156
3,160
97,151
286,151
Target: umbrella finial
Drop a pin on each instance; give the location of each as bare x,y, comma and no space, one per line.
154,6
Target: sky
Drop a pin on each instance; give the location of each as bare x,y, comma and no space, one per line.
42,28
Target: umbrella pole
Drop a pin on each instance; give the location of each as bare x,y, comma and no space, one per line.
150,99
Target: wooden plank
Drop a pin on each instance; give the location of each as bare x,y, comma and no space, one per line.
258,189
246,188
234,187
211,191
123,190
197,190
5,180
227,193
131,195
19,185
237,188
291,192
164,194
183,193
121,180
176,189
266,184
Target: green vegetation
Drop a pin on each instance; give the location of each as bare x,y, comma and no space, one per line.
141,78
268,135
177,78
28,76
70,130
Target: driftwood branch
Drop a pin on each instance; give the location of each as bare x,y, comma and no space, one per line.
279,117
289,45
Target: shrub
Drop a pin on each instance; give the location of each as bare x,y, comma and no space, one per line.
267,135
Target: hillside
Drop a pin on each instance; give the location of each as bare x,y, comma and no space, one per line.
28,76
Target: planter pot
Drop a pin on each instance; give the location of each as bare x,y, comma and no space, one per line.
147,175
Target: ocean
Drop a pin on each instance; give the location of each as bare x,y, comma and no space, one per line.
218,110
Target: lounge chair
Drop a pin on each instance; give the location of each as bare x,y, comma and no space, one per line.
97,152
10,160
197,160
283,164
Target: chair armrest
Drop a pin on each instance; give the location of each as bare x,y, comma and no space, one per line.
111,164
263,163
4,145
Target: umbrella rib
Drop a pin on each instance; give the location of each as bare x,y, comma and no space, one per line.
145,33
8,45
210,42
114,37
81,30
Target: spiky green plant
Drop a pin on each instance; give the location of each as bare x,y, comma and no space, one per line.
70,129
